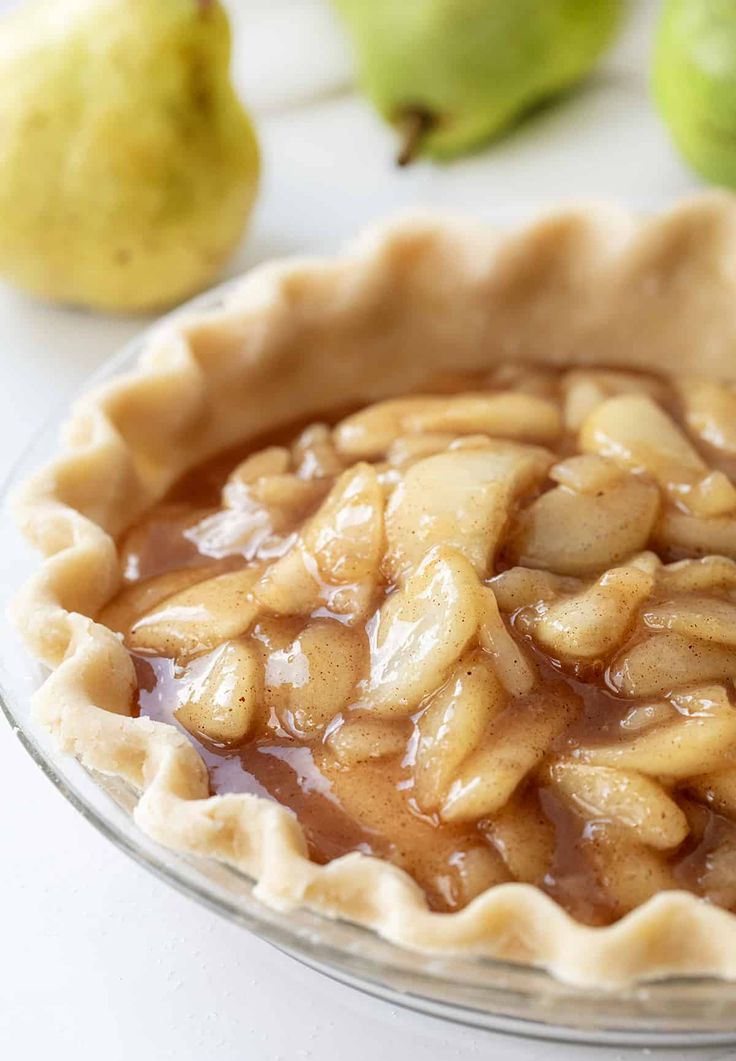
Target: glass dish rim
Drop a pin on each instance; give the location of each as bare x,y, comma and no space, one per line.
349,967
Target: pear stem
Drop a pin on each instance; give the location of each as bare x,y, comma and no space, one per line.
414,125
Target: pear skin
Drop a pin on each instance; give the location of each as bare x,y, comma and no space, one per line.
128,167
694,81
453,74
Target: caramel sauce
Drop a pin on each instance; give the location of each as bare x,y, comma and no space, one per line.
361,809
368,806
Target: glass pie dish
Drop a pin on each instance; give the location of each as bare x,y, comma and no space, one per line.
481,992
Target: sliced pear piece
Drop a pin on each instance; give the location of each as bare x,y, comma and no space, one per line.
292,586
682,533
636,433
586,389
459,498
336,561
706,618
368,434
311,679
710,411
630,872
694,576
476,870
665,661
624,797
137,598
701,738
346,535
718,878
517,742
288,498
516,673
504,414
646,561
223,693
315,455
452,727
583,394
524,838
524,417
519,587
409,448
357,740
420,632
274,460
289,586
581,533
200,617
717,789
587,473
644,716
592,624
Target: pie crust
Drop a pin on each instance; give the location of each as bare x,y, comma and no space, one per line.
588,287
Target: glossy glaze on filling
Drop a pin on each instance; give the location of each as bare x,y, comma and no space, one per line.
549,831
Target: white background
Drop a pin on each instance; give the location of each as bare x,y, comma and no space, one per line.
97,958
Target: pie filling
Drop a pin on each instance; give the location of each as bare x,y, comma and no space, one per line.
487,633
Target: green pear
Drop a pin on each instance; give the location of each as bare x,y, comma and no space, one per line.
128,167
452,74
694,82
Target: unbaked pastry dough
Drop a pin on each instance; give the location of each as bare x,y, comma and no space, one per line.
585,287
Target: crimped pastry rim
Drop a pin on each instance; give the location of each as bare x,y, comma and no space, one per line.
592,282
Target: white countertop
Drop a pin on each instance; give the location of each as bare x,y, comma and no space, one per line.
97,957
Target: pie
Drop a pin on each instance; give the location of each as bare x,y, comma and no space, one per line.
406,583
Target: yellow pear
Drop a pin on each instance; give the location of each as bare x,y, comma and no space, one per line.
128,166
